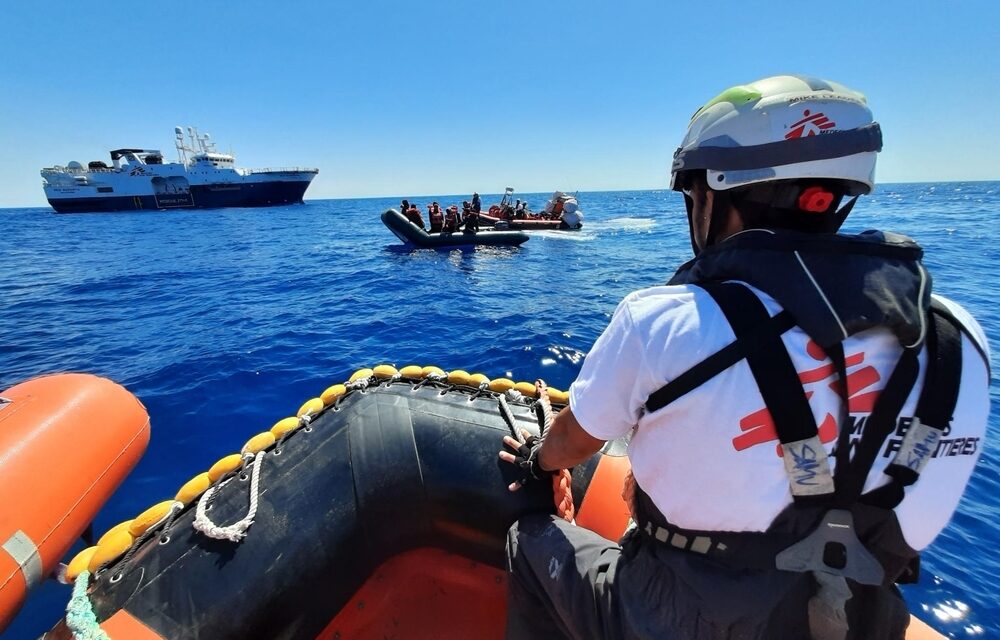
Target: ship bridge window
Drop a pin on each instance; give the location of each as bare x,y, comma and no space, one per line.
105,189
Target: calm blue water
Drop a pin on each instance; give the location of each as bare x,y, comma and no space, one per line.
223,321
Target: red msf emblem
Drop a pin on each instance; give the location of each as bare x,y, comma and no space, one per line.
810,125
758,427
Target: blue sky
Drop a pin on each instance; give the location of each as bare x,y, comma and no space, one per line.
410,98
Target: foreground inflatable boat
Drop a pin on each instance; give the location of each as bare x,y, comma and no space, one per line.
413,235
378,511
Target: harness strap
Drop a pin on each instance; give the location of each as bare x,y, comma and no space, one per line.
851,477
935,408
739,551
718,362
783,394
756,332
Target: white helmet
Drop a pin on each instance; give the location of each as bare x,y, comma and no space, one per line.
782,128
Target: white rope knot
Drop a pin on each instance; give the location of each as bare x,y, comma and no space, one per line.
238,530
514,394
359,384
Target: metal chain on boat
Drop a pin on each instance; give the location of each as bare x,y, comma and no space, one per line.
236,531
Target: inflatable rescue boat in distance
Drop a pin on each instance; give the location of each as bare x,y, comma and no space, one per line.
411,234
378,510
66,442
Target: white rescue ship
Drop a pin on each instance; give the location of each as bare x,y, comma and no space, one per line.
201,177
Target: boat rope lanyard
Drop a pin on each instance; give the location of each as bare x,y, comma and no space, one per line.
562,481
543,407
508,417
80,617
236,531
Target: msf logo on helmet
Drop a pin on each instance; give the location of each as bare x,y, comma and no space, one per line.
810,125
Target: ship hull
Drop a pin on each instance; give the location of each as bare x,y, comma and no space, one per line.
206,196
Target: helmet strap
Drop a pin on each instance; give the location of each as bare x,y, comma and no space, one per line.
689,204
721,203
843,212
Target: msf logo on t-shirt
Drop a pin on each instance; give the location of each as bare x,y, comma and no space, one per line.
758,427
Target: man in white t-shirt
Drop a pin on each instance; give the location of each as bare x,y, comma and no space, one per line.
771,500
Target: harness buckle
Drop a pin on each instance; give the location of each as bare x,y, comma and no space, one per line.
833,548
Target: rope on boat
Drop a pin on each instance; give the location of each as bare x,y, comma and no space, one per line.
359,384
508,417
543,407
167,520
236,531
80,617
562,480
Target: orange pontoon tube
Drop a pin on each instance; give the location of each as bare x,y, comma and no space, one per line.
66,442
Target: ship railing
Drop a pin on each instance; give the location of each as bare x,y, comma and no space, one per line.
248,172
77,171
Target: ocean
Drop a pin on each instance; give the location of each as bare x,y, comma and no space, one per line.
223,321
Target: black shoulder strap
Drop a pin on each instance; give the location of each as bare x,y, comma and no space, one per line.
719,361
935,408
804,455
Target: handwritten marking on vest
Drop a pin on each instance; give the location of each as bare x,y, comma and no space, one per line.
805,465
554,568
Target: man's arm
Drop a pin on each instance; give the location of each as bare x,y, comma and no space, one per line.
566,443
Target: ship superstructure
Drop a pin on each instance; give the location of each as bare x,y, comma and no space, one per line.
201,177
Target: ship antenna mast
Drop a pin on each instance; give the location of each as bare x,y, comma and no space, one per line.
179,143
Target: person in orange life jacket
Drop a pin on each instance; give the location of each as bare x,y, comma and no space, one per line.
413,215
451,219
784,484
435,217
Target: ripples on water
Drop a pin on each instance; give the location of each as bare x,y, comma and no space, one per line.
224,321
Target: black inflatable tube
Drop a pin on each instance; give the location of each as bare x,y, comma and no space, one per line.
393,468
414,235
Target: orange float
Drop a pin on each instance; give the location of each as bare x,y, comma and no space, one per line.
66,442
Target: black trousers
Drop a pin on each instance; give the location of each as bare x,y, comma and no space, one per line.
568,582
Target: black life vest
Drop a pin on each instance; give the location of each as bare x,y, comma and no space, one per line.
832,286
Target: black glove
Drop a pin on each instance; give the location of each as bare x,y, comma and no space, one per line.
526,459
